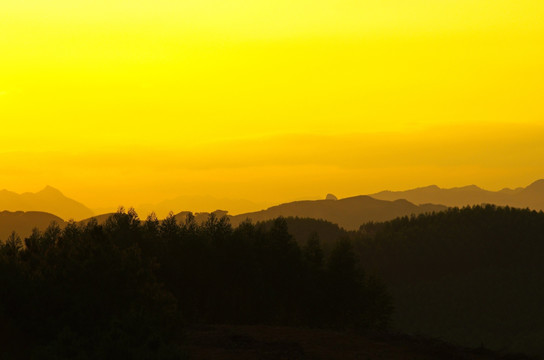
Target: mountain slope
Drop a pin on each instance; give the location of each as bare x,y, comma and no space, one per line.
532,196
226,342
23,223
48,200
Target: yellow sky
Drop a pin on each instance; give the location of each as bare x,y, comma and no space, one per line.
128,102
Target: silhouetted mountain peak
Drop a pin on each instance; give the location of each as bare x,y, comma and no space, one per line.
49,190
536,186
48,200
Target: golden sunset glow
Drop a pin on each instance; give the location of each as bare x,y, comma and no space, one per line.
132,102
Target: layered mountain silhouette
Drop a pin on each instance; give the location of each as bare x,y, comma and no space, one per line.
48,200
22,212
530,197
349,213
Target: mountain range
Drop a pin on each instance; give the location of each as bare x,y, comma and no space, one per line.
48,200
350,213
531,196
22,212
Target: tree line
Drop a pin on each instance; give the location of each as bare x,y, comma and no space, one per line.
127,288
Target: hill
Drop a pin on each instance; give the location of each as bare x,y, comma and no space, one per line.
23,222
469,276
48,200
531,196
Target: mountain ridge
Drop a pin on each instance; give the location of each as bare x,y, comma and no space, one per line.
531,196
349,213
49,200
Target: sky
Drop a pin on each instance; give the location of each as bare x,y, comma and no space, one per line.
129,102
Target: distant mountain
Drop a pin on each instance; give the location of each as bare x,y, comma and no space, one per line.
530,197
23,222
349,213
48,200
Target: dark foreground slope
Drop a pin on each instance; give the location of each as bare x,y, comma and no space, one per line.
471,276
224,342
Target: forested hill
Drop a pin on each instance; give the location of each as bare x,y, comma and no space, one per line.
470,276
